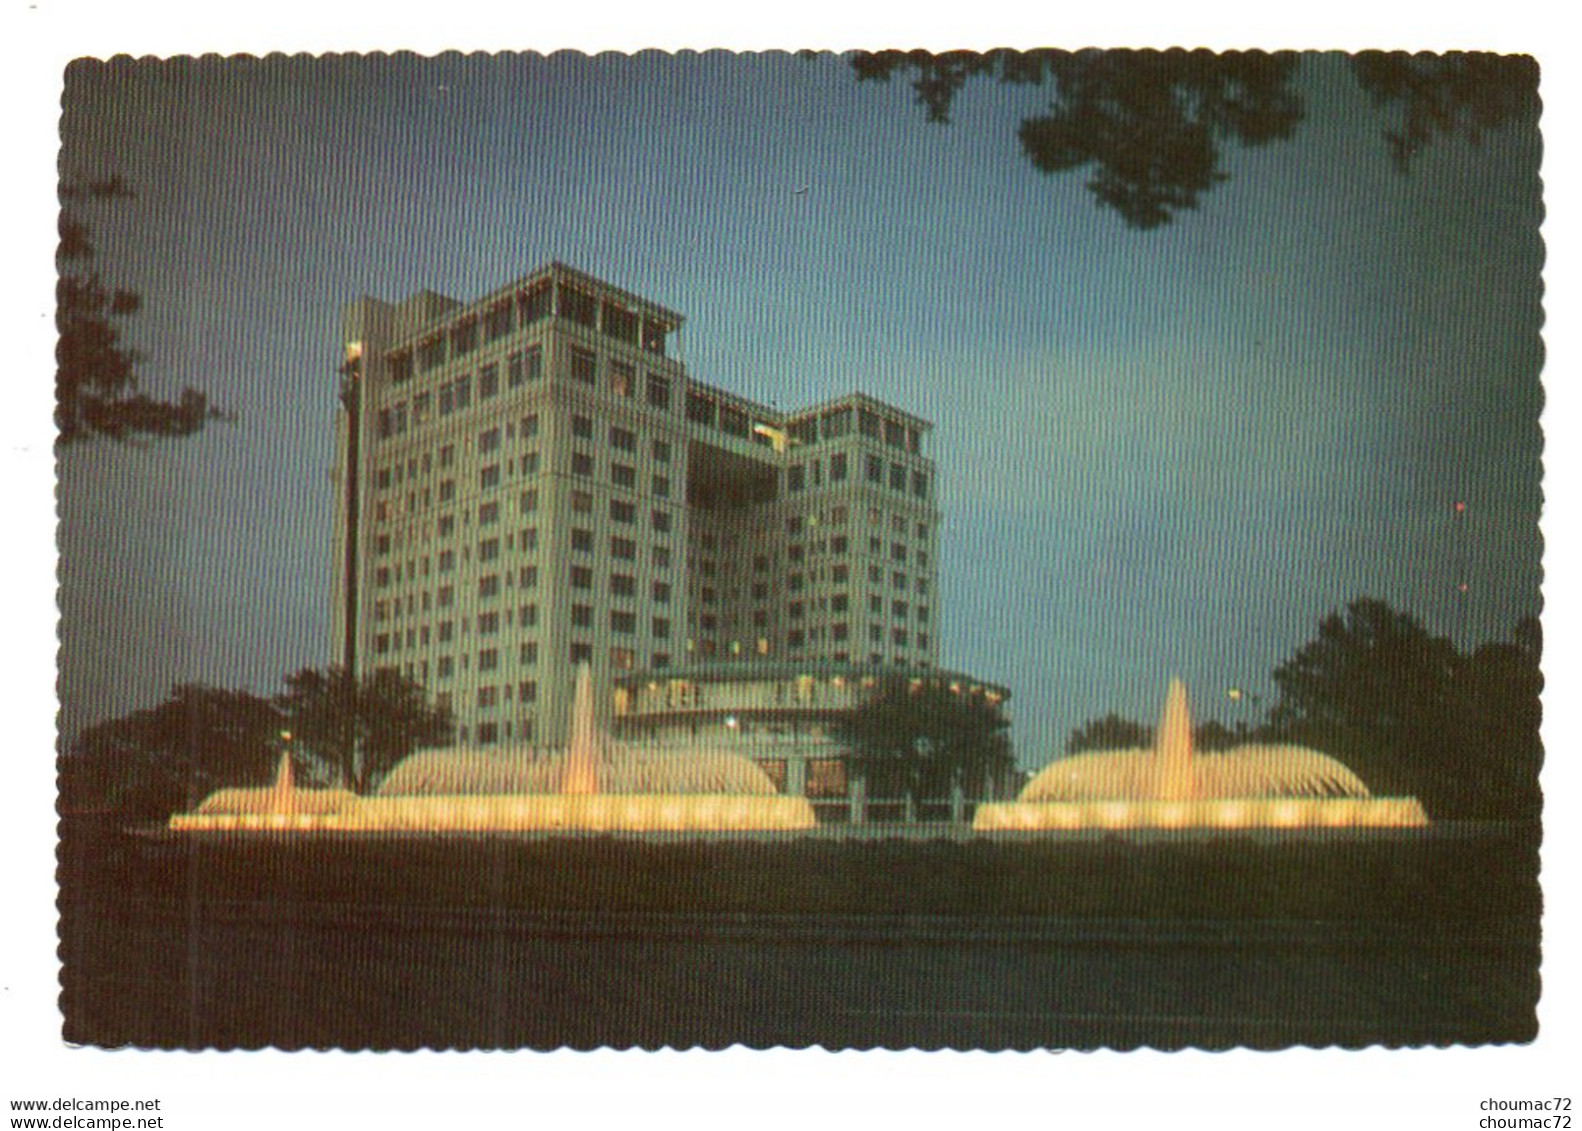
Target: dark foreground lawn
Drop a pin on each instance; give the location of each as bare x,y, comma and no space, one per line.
1259,940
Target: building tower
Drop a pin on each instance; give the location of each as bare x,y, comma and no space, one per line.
531,480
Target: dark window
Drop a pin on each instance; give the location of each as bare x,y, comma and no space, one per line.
700,409
576,305
622,621
464,338
582,541
400,365
620,324
581,577
582,616
582,426
654,336
488,382
584,365
623,379
624,439
497,323
623,475
659,391
875,467
622,511
431,354
533,304
623,548
581,463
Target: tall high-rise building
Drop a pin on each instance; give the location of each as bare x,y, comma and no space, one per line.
531,480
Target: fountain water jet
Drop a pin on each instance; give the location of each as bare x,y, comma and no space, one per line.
1168,786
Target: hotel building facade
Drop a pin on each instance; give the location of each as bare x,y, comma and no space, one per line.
532,480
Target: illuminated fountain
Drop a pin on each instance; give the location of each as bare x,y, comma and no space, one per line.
595,784
1169,787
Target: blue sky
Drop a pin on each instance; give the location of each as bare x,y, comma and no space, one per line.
1160,453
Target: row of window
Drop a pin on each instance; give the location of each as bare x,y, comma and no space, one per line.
526,308
456,395
836,422
799,476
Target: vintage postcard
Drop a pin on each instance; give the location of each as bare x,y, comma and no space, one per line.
995,550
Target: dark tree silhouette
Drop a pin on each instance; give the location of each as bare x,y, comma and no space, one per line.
922,737
362,729
1412,715
96,391
1152,123
154,762
1459,94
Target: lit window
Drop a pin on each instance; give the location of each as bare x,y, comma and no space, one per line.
623,379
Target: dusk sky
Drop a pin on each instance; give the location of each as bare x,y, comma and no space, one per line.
1160,453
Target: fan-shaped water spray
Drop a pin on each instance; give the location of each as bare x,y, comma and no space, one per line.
1170,786
594,784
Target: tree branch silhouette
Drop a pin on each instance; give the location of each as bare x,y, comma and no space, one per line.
1153,124
96,389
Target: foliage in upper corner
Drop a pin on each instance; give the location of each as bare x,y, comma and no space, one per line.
1152,124
96,389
